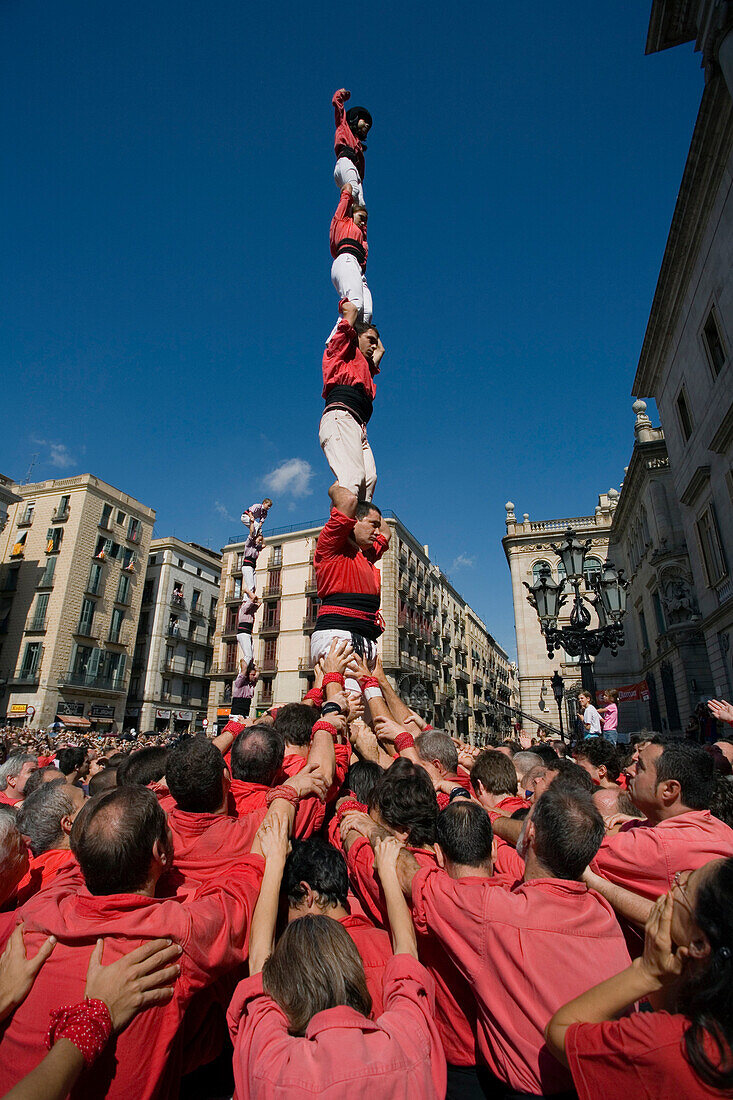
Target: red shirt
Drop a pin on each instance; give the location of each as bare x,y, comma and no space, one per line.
507,860
293,763
42,870
455,1010
345,136
343,1055
250,800
644,857
525,952
641,1056
204,844
345,365
8,799
375,948
508,805
145,1060
344,230
341,566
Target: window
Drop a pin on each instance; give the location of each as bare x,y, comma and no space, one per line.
169,654
274,580
177,596
185,691
86,619
123,589
592,570
26,518
46,580
133,530
115,628
266,691
31,659
643,629
113,669
538,568
189,660
212,606
237,588
106,516
240,559
18,550
270,653
128,560
106,549
174,628
713,343
135,687
94,584
54,537
684,415
63,509
148,590
659,613
271,617
710,546
121,517
81,660
10,584
180,563
5,617
143,625
38,621
277,556
232,657
195,600
166,688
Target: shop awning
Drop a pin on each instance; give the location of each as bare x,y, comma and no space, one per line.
73,720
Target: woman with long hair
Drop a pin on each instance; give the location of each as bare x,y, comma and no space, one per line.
687,963
300,1023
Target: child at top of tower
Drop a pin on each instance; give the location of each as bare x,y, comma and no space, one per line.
352,127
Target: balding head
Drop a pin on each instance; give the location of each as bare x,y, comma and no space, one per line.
122,842
257,754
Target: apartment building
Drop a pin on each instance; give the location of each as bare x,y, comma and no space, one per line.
425,646
169,686
72,553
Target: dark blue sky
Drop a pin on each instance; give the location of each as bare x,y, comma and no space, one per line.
165,292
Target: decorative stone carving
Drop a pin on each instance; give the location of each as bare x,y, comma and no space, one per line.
678,598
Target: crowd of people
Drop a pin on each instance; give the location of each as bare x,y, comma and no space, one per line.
333,898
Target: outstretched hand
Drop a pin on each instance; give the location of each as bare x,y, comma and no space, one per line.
339,656
309,781
721,709
386,853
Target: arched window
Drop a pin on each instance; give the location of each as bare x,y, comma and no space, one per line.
538,568
592,570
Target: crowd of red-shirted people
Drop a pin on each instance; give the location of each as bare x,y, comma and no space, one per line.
334,898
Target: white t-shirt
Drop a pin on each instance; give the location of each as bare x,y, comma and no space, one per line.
592,718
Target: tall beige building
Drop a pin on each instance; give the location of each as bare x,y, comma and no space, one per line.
169,687
436,650
73,555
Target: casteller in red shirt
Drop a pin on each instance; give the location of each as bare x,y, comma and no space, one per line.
347,579
345,142
348,376
345,235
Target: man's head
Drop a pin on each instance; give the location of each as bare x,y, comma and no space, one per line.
14,773
257,754
197,776
672,777
368,524
584,699
567,774
525,760
103,780
493,778
599,758
295,722
404,800
73,763
47,815
437,753
359,216
13,854
359,120
41,776
315,879
463,838
361,778
509,748
726,747
368,337
562,833
143,767
122,842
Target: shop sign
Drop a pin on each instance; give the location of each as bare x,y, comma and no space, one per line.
99,711
162,714
73,710
183,715
18,708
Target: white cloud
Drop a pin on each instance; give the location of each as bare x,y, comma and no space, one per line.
463,561
223,511
290,478
58,453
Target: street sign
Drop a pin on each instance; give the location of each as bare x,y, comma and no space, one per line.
205,723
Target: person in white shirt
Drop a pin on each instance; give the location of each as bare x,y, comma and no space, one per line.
591,717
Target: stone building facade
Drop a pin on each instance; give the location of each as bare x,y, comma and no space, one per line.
686,361
7,497
169,687
436,650
73,553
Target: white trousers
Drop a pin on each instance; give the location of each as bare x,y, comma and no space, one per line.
321,643
246,647
350,282
248,577
346,447
346,172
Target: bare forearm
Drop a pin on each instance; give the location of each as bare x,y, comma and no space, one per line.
507,829
343,499
262,932
322,753
399,710
626,903
223,742
54,1077
404,941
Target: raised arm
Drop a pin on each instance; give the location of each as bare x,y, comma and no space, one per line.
386,853
343,499
339,98
273,841
625,902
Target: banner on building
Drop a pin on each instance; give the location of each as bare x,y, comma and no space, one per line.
632,692
183,715
162,714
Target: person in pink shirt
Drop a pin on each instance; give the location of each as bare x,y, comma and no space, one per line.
616,1052
609,715
301,1030
528,949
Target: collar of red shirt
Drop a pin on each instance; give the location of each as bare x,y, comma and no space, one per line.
555,885
340,1017
186,821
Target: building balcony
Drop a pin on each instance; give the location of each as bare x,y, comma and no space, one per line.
27,677
24,521
84,681
309,624
233,599
222,672
268,667
311,586
61,515
178,602
305,666
85,630
275,561
272,591
37,626
174,633
271,629
198,611
462,675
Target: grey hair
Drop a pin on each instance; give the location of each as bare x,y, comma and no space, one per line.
437,745
525,760
10,843
39,816
13,766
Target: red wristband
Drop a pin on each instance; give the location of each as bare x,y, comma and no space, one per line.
322,724
350,806
233,726
284,791
88,1025
333,678
368,682
316,694
404,741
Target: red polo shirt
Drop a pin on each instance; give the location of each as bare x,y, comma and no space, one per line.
375,948
145,1060
345,231
640,1056
8,799
204,844
455,1009
341,566
525,952
345,136
645,858
250,800
344,364
42,870
342,1054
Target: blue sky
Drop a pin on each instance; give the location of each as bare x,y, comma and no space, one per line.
165,295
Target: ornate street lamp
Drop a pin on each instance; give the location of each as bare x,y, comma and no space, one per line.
558,690
608,600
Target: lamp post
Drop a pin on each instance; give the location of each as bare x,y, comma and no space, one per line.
608,601
558,690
